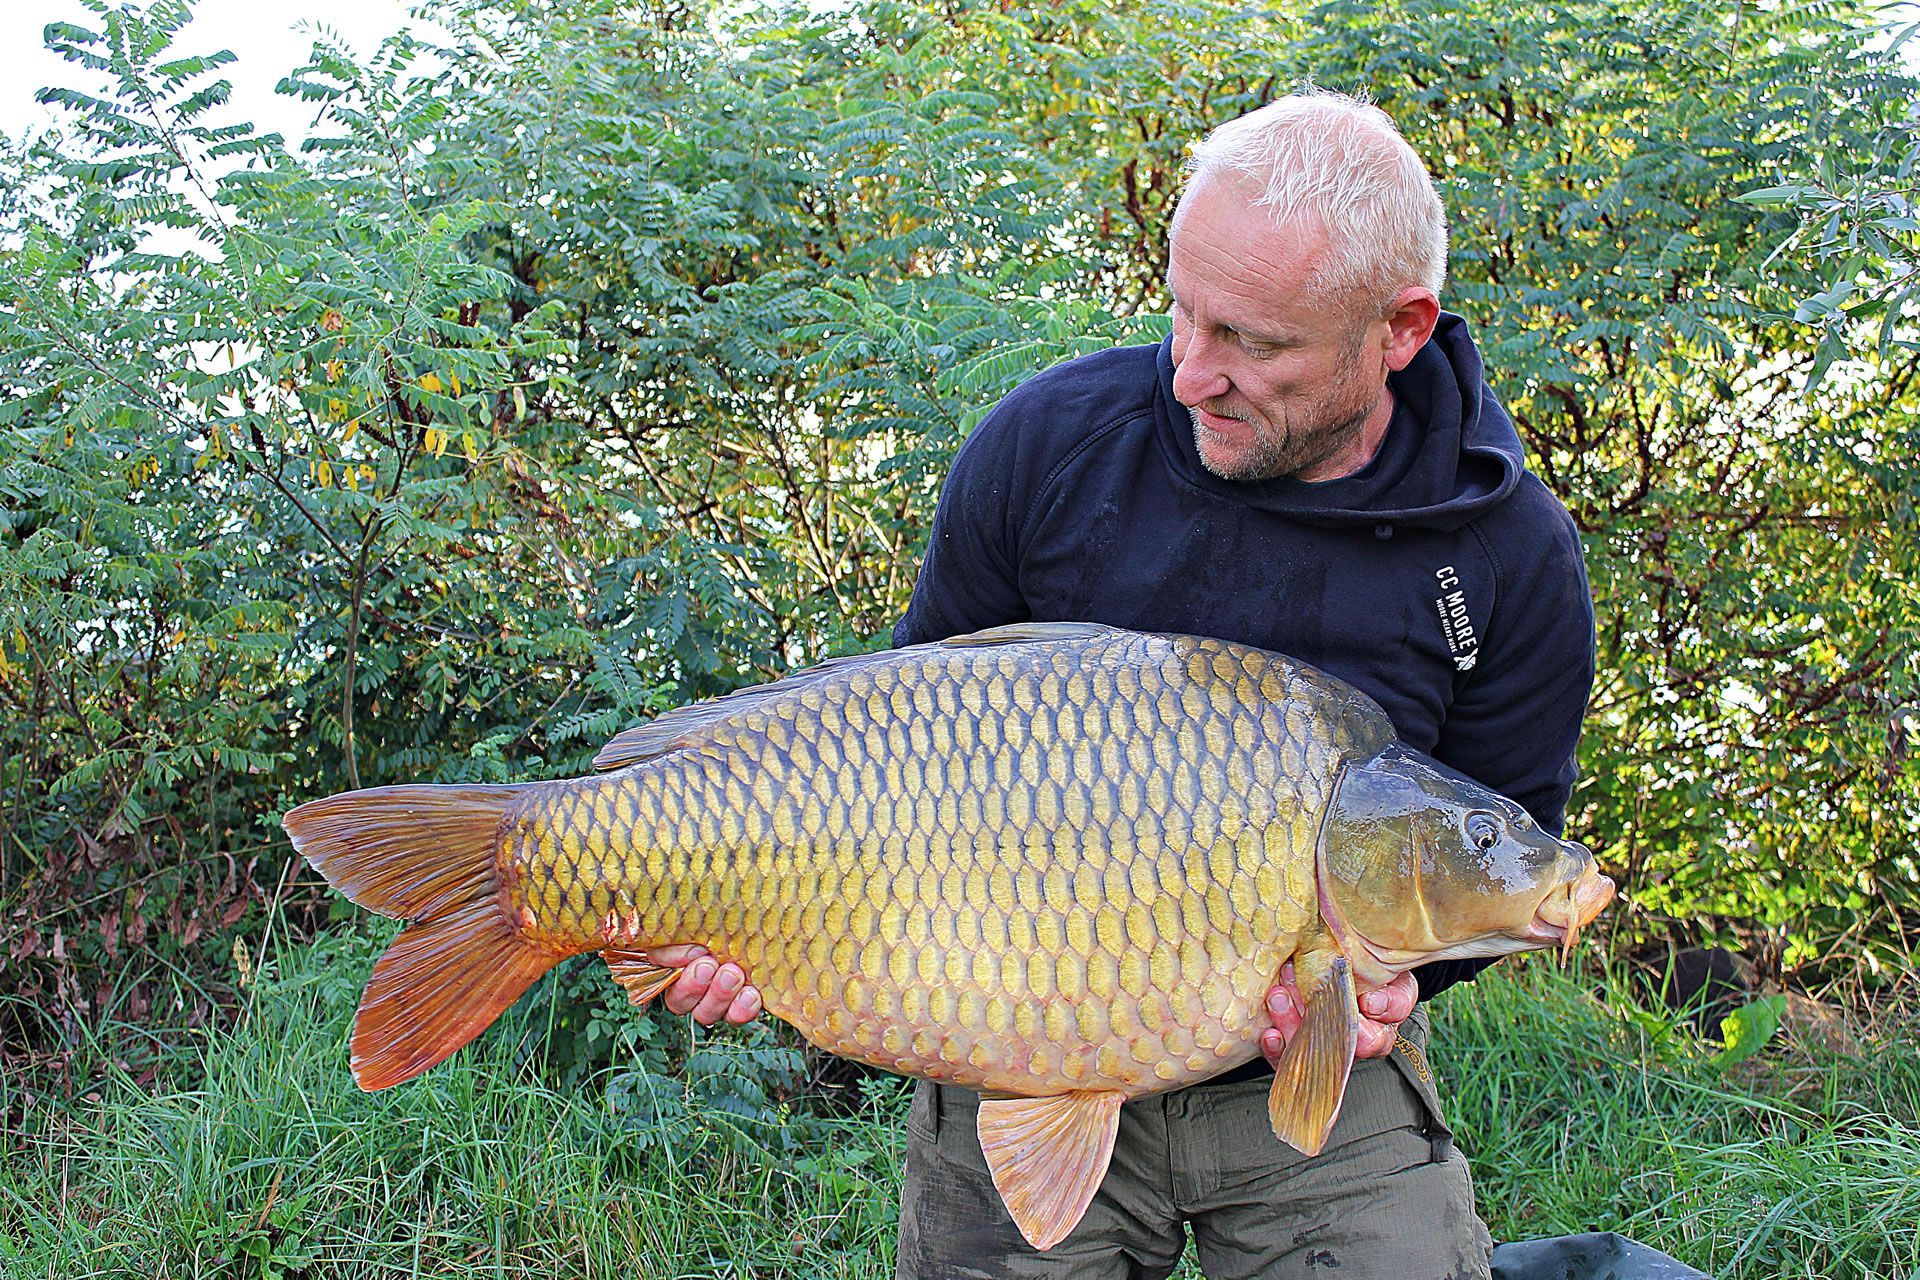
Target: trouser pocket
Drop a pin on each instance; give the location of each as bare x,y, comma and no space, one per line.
1409,1057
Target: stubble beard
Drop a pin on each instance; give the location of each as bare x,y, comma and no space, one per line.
1282,448
1285,447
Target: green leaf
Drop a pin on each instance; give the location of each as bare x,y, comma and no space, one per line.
1776,197
1746,1030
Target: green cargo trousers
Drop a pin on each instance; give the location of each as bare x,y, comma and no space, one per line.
1389,1197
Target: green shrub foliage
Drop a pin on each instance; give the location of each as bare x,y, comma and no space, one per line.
606,356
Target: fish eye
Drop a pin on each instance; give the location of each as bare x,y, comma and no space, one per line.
1483,829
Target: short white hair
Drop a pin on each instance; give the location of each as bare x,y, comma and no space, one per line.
1341,162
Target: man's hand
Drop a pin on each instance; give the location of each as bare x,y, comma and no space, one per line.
706,989
1382,1010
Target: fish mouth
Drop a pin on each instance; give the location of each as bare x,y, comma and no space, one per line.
1563,914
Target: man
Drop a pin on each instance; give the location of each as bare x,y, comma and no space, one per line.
1311,463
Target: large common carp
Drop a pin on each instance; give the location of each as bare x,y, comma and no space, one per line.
1057,863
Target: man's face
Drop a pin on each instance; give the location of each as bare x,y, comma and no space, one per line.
1277,383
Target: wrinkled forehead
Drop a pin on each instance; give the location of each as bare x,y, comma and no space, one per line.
1239,199
1217,230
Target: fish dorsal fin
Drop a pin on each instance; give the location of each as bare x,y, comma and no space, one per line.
684,725
1027,633
1311,1080
642,978
1048,1156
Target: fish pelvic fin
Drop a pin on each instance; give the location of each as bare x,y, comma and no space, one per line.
1311,1081
428,855
1047,1157
643,979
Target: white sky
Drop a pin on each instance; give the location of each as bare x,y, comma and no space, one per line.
260,32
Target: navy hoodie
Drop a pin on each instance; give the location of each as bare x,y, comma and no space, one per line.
1443,579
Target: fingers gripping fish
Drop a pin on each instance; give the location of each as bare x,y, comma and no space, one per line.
1057,863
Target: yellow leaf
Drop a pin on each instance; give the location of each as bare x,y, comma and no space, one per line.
430,382
353,429
455,379
468,447
352,476
336,369
325,472
337,408
519,404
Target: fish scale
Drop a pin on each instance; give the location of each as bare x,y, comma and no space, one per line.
1086,886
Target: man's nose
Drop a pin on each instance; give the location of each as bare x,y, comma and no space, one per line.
1197,376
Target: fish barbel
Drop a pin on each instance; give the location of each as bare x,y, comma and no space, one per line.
1058,863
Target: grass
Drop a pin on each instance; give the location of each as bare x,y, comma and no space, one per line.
1581,1113
273,1164
1587,1114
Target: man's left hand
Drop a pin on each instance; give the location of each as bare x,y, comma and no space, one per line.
1382,1010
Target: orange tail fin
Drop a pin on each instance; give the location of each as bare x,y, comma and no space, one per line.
425,854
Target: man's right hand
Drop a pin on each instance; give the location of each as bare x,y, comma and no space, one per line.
707,989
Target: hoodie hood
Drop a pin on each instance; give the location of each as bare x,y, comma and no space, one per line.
1450,451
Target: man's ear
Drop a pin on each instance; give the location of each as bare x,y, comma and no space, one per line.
1410,319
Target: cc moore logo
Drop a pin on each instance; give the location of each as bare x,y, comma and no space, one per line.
1455,621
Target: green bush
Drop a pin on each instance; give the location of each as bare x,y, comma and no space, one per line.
610,357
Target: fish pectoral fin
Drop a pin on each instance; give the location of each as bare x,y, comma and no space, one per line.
642,978
1311,1081
1047,1156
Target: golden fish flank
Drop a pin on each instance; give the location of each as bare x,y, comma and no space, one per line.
1059,863
1031,871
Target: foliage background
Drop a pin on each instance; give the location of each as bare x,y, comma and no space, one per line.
610,355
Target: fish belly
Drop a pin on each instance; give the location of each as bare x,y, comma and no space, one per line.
1028,869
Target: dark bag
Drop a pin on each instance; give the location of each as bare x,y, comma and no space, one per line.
1598,1255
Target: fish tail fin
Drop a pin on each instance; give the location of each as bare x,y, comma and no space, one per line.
426,854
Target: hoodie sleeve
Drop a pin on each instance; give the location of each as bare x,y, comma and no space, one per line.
969,579
1515,718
